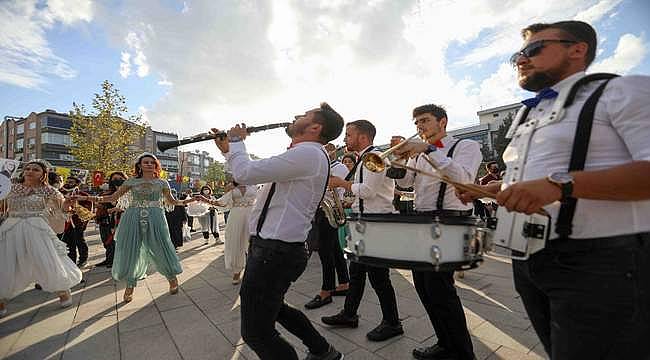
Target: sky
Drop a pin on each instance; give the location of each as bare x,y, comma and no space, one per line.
188,66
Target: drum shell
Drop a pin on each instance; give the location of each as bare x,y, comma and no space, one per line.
416,242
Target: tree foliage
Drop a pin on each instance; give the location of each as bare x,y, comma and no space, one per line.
215,175
499,140
102,139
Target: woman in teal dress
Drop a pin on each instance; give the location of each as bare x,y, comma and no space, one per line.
142,237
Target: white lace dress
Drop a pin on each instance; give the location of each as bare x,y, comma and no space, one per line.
29,249
237,231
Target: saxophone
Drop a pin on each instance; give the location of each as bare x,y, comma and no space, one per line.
333,208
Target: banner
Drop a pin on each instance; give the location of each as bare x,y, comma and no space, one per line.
7,169
98,178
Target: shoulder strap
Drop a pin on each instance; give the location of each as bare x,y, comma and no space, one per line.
356,164
443,185
564,223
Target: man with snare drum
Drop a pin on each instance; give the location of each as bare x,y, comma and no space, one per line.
580,150
460,160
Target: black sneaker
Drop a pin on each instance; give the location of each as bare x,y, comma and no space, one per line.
435,352
341,320
331,354
317,302
385,331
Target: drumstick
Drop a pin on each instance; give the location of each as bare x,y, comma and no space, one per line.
466,187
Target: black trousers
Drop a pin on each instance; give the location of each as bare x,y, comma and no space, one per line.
438,295
380,282
330,254
74,239
104,234
271,267
589,298
211,225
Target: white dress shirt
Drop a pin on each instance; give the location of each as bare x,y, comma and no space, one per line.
339,170
377,190
300,175
621,131
462,167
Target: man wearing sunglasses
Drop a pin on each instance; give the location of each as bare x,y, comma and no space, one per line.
587,292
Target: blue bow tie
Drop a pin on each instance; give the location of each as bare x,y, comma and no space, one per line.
545,93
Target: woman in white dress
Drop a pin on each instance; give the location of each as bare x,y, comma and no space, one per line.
240,200
29,249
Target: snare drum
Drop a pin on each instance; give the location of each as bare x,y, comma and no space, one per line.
417,242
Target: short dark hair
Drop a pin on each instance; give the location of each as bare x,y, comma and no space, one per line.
120,173
53,178
331,121
578,31
365,127
76,179
487,166
436,110
350,156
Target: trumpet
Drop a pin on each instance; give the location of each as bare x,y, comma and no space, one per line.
376,162
166,145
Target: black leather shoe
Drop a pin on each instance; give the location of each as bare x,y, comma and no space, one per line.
317,302
331,354
103,263
342,320
385,331
435,352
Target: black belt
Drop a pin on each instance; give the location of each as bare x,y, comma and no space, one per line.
446,213
619,241
275,244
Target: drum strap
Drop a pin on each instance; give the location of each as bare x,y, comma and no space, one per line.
564,223
443,185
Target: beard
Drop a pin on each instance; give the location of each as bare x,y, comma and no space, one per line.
539,80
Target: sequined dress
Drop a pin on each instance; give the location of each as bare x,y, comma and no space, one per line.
29,249
237,230
142,237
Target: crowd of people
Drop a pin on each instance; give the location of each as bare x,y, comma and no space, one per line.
578,155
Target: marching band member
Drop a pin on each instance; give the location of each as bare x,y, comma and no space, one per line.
374,194
295,182
460,160
329,250
585,160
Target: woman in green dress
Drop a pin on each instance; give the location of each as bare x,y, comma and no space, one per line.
142,237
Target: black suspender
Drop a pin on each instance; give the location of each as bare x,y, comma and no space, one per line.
443,185
267,202
564,223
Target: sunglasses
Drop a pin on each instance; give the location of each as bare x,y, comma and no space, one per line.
534,48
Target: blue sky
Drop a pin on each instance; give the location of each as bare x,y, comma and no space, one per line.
188,66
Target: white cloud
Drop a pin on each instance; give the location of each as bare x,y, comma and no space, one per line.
597,11
26,59
135,42
125,64
144,116
263,62
629,53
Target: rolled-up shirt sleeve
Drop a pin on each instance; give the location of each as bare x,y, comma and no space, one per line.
465,163
284,167
628,105
371,182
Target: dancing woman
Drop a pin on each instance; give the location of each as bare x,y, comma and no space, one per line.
209,222
142,235
240,199
29,249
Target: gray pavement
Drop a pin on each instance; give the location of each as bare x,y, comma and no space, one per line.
202,320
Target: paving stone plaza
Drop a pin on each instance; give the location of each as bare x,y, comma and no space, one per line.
202,320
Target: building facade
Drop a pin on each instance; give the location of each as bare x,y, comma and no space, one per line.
194,164
46,135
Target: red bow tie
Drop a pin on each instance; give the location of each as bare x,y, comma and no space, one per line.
439,144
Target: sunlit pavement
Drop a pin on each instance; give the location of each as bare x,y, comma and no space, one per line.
202,320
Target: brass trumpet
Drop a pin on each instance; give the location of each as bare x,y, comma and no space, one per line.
376,162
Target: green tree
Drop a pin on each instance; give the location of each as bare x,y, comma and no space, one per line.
215,175
102,139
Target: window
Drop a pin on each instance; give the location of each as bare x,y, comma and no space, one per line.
206,163
67,157
57,139
32,125
495,115
56,122
32,156
20,129
19,144
31,141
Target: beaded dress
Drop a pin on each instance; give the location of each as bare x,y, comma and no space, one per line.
142,237
29,249
240,203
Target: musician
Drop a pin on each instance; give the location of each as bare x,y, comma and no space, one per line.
587,293
73,234
279,223
329,250
460,160
374,194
